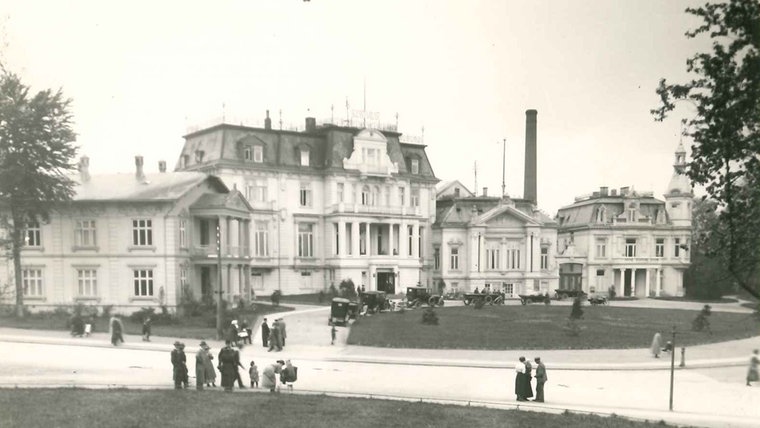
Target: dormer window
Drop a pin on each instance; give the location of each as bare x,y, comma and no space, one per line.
304,156
258,154
248,153
185,161
199,156
415,168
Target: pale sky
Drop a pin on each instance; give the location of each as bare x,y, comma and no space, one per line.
142,73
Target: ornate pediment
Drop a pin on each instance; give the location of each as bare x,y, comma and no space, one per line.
505,219
370,155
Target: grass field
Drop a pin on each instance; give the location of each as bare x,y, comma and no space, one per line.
121,408
540,327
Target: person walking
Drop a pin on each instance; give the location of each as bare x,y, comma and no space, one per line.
656,345
209,373
275,338
752,374
283,332
528,378
253,373
201,361
179,365
333,333
146,329
227,366
541,379
265,333
238,364
269,375
520,379
246,326
116,329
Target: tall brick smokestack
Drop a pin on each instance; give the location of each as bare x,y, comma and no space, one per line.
529,192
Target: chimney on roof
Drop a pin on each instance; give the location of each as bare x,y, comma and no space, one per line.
603,191
267,122
311,124
613,192
84,169
529,187
139,173
162,166
485,191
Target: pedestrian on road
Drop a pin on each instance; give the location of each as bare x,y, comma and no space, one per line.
541,379
238,364
116,329
528,379
265,333
275,338
146,329
656,345
201,361
520,380
269,375
232,333
179,365
283,332
227,366
333,333
754,361
209,373
253,373
245,325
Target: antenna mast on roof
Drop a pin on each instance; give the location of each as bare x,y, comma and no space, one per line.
476,178
503,169
364,116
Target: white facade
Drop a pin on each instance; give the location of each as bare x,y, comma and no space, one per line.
628,240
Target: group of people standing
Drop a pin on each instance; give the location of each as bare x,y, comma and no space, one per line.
523,388
274,337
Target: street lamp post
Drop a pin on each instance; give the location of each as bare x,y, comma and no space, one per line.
219,333
672,365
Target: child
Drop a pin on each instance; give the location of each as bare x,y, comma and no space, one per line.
333,332
253,372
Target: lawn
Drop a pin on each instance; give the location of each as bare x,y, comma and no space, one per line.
541,327
202,326
122,408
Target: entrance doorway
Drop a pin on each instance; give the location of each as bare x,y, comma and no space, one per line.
570,276
207,290
386,281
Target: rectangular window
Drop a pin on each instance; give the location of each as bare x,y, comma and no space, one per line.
600,272
305,195
415,201
601,248
415,166
454,259
454,287
630,247
182,233
87,282
31,279
248,153
544,258
33,235
142,232
260,192
304,158
513,259
437,258
337,238
492,259
143,282
402,196
261,239
508,288
182,278
258,154
676,247
341,192
659,247
84,233
410,234
305,240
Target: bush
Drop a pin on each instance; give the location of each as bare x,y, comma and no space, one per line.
333,291
612,292
577,312
276,296
163,318
429,317
348,289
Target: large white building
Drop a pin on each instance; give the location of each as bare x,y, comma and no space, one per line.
628,240
329,203
135,240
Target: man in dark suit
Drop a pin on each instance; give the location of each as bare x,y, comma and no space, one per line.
265,333
541,378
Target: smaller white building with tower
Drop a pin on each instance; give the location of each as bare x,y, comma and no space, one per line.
628,240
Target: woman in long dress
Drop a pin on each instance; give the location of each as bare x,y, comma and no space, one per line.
657,345
209,372
752,374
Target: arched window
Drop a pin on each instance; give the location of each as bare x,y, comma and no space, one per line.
365,195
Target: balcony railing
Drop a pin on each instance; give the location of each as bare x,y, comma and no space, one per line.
210,251
373,209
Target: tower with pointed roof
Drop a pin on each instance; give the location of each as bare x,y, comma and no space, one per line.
679,193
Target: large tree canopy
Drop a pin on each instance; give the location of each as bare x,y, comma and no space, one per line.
36,152
725,129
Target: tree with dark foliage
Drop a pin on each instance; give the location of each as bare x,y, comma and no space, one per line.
36,153
725,128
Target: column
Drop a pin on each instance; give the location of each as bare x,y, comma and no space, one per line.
355,238
390,239
227,237
415,240
633,282
247,281
241,237
658,288
528,255
342,238
503,260
403,240
248,238
367,241
646,282
622,282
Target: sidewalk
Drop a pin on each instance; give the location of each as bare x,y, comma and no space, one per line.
305,323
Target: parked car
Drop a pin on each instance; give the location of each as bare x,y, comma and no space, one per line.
376,301
339,311
561,294
417,296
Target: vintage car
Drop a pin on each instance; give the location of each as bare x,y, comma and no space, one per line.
488,299
561,294
417,296
534,298
598,300
339,311
376,301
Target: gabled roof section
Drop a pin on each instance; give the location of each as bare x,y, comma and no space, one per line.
232,201
504,209
447,188
167,186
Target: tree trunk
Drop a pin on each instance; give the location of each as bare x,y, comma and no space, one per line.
16,251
